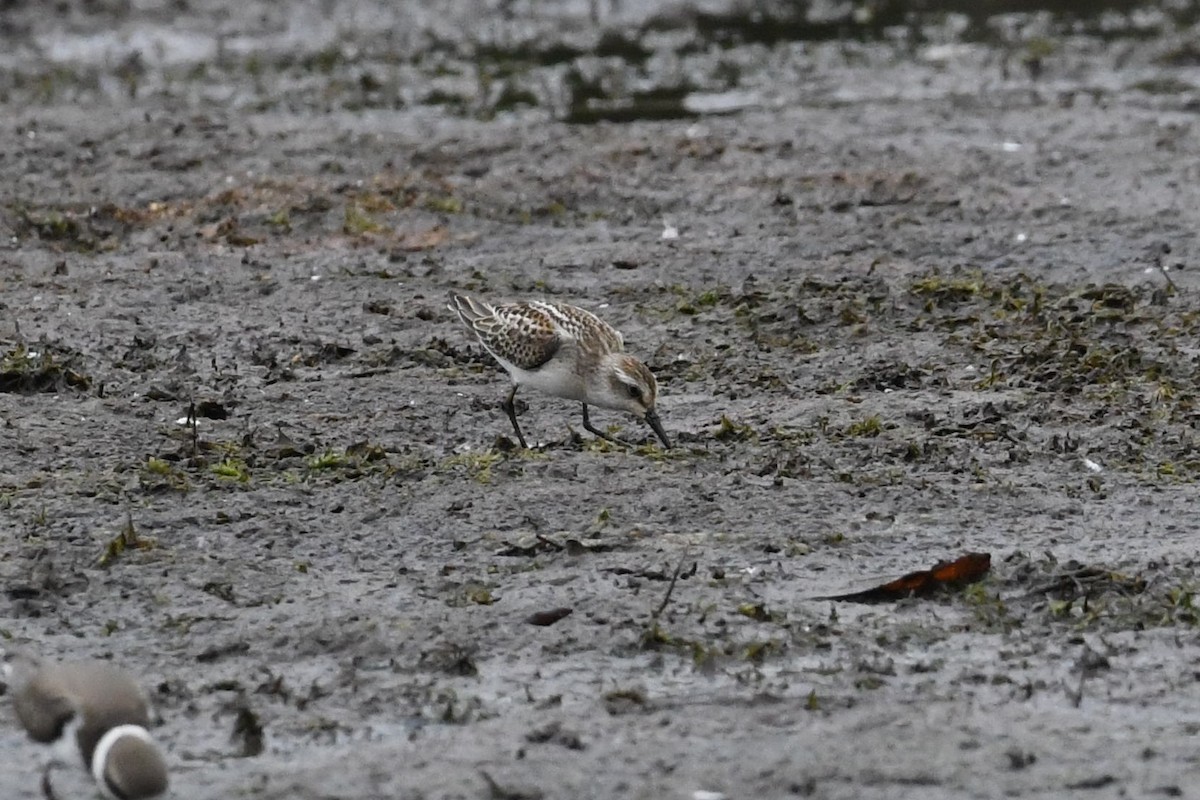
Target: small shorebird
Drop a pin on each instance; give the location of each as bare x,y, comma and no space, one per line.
96,710
564,351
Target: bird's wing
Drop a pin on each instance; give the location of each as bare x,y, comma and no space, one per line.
583,326
43,708
520,334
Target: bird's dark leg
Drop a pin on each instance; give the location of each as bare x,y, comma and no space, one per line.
587,426
510,407
47,789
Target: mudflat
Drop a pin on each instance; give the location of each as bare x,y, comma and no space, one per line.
913,285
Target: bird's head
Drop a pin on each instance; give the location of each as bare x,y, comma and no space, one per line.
628,385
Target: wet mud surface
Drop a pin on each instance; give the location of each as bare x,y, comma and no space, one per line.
921,288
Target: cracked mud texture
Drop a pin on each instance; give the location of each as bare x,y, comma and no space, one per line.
916,306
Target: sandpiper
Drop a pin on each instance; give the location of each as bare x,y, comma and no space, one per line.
564,351
97,710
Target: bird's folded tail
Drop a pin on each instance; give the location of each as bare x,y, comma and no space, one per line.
468,308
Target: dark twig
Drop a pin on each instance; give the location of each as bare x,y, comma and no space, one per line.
191,421
670,587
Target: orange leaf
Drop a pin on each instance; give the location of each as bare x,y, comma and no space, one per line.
944,575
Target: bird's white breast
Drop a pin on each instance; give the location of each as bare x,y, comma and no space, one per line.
557,377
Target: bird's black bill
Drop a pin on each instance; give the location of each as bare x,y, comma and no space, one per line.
652,420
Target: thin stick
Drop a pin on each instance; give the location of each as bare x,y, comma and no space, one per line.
671,586
191,419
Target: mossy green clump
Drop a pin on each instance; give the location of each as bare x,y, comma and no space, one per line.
281,219
158,466
708,299
27,371
691,303
871,426
480,596
125,540
1040,47
995,378
477,465
231,469
760,613
730,431
366,453
991,612
654,451
1093,597
1179,603
327,460
869,682
54,225
82,229
444,204
159,474
654,636
943,291
757,652
357,460
357,222
324,61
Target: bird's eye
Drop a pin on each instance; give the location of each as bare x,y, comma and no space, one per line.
634,391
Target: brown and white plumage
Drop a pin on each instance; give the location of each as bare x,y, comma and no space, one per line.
104,716
565,351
